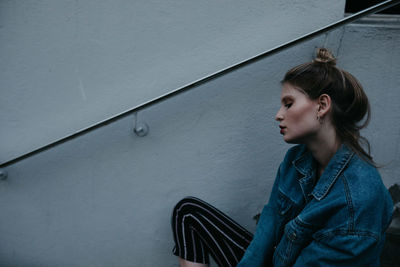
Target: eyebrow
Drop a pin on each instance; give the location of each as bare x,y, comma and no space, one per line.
286,98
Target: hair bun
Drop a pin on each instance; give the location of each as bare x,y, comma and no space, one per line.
325,56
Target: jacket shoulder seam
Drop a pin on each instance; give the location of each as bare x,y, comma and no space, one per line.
349,201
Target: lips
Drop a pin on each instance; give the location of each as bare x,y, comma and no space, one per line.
282,129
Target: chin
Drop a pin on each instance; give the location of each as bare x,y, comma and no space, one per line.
291,140
287,140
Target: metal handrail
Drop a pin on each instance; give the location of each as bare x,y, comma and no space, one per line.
346,20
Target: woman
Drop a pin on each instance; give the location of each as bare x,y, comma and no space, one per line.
328,205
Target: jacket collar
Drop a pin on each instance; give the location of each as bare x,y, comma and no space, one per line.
305,165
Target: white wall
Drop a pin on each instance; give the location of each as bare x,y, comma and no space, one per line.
105,199
69,64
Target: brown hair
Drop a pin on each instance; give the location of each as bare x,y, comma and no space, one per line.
349,101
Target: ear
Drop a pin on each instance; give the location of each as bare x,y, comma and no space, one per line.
324,105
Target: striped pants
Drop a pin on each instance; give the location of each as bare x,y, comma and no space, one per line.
200,230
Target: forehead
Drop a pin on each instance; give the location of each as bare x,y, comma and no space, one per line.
290,91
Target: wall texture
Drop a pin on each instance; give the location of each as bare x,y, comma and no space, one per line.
69,64
105,198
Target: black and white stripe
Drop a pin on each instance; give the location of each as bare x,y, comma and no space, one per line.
200,229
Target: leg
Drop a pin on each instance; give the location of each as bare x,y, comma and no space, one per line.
200,229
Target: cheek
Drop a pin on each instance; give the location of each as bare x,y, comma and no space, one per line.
304,117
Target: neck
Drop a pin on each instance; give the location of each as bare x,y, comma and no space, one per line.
323,147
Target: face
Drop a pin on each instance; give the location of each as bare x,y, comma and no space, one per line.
297,115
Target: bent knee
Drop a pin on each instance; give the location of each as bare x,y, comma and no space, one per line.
183,207
185,202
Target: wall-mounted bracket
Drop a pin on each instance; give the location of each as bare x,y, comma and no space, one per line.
140,128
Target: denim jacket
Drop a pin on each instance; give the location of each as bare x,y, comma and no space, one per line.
338,221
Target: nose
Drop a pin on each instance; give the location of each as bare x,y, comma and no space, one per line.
279,115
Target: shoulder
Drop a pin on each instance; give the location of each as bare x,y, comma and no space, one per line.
363,179
351,197
367,197
358,167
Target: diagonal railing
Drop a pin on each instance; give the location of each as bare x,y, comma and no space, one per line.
346,20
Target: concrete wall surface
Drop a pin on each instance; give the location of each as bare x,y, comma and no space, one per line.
105,199
68,64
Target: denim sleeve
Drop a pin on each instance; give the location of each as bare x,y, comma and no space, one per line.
356,249
261,248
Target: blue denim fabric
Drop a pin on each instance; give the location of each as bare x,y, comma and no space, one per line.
341,221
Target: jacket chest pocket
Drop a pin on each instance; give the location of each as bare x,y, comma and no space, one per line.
284,204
